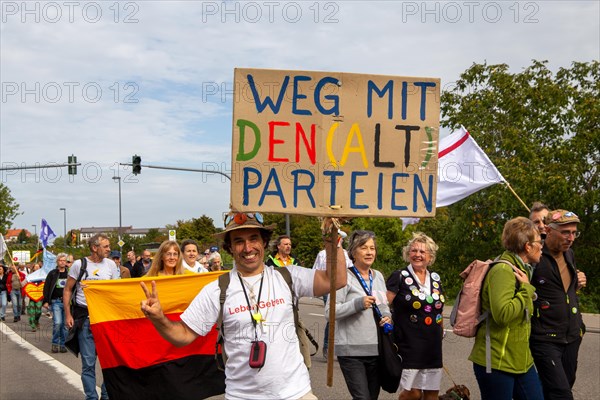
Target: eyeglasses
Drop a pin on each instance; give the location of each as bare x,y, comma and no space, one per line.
566,234
541,241
176,255
241,218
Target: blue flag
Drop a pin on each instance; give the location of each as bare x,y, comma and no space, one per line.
49,265
46,233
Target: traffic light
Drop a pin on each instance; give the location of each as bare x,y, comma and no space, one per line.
137,164
72,168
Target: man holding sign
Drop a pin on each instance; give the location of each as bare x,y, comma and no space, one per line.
264,359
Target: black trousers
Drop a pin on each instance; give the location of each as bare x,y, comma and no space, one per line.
556,364
361,376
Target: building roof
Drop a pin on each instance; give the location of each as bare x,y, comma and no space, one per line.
10,233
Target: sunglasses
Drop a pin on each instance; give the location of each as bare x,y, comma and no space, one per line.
241,218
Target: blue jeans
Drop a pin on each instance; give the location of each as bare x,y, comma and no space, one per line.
59,329
87,349
501,385
361,376
4,302
17,301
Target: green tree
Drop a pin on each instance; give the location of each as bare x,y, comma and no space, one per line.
200,229
305,233
542,130
9,208
154,235
22,237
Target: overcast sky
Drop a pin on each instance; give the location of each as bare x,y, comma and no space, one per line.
107,80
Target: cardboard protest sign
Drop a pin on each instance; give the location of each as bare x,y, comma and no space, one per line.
334,144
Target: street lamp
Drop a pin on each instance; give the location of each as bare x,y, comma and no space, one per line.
64,210
118,178
35,234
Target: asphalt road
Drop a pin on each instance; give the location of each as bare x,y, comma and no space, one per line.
29,371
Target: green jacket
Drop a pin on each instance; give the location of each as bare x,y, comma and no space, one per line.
509,320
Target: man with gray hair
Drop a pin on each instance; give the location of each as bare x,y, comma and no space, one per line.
557,326
97,267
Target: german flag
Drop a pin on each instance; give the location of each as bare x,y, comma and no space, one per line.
137,363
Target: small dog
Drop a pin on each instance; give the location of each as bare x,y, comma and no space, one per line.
457,392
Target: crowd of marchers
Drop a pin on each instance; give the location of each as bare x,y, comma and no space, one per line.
527,349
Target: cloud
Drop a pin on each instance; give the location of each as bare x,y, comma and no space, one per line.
154,79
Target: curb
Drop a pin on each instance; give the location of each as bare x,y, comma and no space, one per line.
591,321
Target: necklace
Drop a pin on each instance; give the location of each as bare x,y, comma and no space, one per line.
251,300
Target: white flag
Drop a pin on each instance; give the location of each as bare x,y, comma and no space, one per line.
3,247
463,168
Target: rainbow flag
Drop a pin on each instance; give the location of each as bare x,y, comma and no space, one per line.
137,363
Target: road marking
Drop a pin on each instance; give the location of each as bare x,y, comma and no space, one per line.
316,315
65,372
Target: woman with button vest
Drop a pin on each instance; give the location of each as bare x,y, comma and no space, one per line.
417,301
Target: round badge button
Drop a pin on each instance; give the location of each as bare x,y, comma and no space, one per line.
405,273
427,308
435,276
436,285
429,299
422,296
407,297
416,305
428,321
409,281
413,318
435,296
438,318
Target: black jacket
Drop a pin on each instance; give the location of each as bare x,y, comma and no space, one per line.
136,270
50,284
557,317
3,281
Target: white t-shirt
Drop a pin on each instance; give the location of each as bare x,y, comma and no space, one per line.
321,261
105,269
199,268
284,375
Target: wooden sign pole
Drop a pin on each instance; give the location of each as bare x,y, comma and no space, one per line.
332,255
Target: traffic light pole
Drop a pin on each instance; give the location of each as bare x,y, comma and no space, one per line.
181,169
40,166
287,216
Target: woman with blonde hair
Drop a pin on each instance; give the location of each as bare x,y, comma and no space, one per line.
417,301
167,261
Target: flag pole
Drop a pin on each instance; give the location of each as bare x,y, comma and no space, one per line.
7,251
516,195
